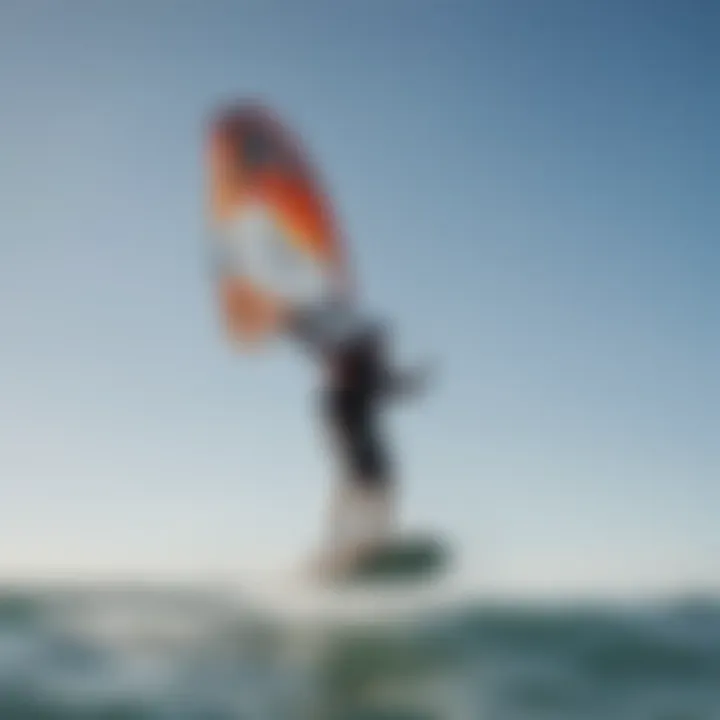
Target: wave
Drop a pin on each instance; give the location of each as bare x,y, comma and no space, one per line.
182,654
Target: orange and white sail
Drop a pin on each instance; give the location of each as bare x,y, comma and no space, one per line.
274,233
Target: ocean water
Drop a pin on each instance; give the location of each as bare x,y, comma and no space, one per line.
174,653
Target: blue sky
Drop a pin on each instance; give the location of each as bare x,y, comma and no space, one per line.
531,194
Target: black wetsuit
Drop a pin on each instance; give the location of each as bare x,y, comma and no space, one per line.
352,405
352,401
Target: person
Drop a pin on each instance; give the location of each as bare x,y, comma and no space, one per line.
272,288
359,383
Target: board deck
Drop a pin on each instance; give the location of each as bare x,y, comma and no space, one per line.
405,560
